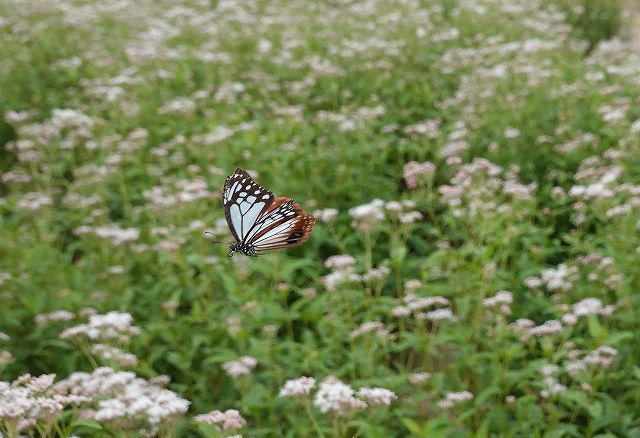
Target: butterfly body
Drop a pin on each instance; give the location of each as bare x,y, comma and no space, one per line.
258,220
248,250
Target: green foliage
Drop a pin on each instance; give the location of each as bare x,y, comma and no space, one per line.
104,207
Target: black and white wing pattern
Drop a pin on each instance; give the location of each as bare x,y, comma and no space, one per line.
258,220
244,202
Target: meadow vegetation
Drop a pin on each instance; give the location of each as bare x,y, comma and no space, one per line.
474,167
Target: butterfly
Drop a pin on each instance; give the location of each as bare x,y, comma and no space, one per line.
258,220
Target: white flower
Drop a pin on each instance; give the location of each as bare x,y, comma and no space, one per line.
365,217
339,262
58,315
336,398
298,387
501,297
377,396
326,215
552,387
589,306
240,367
227,420
111,326
418,378
5,357
410,217
113,354
455,398
438,315
368,327
376,274
569,319
545,329
400,311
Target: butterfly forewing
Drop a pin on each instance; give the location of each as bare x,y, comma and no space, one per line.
245,201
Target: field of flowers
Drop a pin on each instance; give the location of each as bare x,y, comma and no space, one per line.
474,168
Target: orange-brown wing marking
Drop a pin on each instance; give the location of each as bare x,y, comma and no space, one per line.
277,202
302,229
287,226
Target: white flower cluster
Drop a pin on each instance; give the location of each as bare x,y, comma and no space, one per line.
300,387
414,305
560,278
240,367
419,378
428,128
403,211
552,387
371,327
108,327
591,306
415,172
502,300
377,396
455,398
335,397
117,235
342,271
42,319
230,419
375,275
477,188
365,217
551,384
30,399
602,178
33,201
326,215
528,329
113,354
123,399
340,262
5,357
601,357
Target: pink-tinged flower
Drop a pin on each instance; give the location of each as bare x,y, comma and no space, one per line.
300,387
419,378
241,367
339,262
415,172
58,315
501,297
5,357
371,327
227,420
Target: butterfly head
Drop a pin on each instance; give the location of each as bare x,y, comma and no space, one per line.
248,250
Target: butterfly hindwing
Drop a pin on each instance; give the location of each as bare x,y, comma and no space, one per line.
283,225
245,201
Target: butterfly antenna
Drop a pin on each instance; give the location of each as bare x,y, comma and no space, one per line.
214,241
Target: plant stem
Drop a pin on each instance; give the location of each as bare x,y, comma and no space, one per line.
307,408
